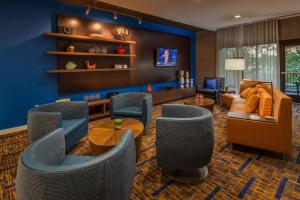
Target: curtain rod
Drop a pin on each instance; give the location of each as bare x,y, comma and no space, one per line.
279,17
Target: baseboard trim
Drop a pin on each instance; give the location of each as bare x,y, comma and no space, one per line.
13,130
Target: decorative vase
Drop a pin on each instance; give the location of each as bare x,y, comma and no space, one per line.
103,49
118,124
70,48
191,82
121,50
149,89
187,80
181,79
70,65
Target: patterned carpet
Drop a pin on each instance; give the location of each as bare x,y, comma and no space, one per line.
233,174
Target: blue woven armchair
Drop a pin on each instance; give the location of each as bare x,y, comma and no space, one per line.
45,172
133,105
71,116
184,141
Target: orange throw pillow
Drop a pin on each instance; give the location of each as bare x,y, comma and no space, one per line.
252,92
252,104
245,93
265,104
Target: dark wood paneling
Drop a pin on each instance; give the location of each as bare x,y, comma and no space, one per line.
146,43
171,95
205,55
289,28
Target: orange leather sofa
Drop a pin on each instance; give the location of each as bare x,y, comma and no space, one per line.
273,136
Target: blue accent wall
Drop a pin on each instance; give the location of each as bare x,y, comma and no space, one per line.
23,81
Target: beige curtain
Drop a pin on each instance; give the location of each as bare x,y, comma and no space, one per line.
258,44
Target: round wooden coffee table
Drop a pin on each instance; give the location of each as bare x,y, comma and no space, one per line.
105,137
205,103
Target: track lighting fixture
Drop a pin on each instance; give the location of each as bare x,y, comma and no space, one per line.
88,10
115,17
139,20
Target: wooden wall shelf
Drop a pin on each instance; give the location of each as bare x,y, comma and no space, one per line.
85,38
56,71
62,53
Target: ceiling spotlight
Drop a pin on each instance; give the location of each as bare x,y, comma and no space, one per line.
237,16
88,10
115,17
139,20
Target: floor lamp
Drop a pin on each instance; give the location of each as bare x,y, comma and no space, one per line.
237,65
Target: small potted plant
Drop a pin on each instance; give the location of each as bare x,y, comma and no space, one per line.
226,87
118,123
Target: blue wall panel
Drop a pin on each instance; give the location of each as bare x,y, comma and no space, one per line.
23,81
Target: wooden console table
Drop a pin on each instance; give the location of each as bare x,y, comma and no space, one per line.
164,96
99,108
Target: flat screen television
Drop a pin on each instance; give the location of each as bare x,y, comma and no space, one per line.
166,57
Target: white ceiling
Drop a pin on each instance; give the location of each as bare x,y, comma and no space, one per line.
212,14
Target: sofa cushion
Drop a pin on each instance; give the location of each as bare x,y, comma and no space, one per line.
265,103
238,99
133,111
245,93
72,159
252,91
252,104
237,107
71,125
211,83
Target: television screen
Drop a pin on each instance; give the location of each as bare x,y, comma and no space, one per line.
166,57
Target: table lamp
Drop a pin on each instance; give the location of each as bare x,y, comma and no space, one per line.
235,64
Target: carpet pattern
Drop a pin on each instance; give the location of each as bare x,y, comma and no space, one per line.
233,174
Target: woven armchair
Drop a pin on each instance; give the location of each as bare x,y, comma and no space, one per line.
45,172
71,116
134,105
184,141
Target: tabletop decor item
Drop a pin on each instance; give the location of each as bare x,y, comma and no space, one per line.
66,29
187,80
70,65
122,34
118,123
90,65
96,35
181,79
103,49
70,48
149,89
92,50
121,49
191,82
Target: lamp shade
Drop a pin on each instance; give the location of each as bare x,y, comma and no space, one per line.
235,64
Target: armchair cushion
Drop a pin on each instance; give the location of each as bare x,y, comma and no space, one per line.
132,111
72,159
211,83
72,125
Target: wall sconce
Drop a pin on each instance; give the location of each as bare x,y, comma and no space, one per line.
122,33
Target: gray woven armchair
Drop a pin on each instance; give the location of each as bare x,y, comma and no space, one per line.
71,116
133,105
184,141
45,172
